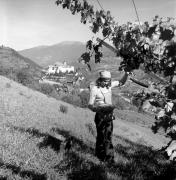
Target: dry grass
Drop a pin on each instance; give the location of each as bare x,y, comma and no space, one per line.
28,151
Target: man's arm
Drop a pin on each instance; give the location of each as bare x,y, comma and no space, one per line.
124,78
121,82
92,99
92,108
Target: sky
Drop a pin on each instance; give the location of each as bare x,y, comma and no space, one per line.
30,23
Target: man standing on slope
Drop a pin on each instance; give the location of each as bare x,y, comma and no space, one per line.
101,102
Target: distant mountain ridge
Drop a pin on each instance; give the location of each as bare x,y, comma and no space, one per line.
69,51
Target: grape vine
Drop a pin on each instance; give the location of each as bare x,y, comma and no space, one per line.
151,46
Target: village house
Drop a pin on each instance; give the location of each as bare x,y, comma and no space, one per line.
60,68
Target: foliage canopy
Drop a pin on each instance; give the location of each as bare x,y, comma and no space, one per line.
151,45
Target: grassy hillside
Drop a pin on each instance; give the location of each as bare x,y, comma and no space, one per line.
9,58
23,70
15,66
28,119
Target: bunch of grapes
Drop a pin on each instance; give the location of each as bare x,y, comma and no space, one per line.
98,53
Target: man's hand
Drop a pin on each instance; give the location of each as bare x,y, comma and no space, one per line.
103,108
93,108
130,73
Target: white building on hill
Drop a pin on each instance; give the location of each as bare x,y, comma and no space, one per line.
60,68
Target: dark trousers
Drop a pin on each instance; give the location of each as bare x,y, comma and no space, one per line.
104,147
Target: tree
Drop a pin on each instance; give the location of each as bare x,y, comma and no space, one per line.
152,47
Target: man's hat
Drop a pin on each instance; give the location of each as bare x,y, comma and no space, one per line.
105,74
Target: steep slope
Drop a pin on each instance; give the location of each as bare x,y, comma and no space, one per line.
68,51
11,58
29,118
12,62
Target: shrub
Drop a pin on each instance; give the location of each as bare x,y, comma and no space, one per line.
8,72
46,89
23,77
4,71
121,104
80,100
35,85
84,97
72,99
127,93
67,98
63,109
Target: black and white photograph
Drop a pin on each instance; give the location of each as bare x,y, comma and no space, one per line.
88,90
